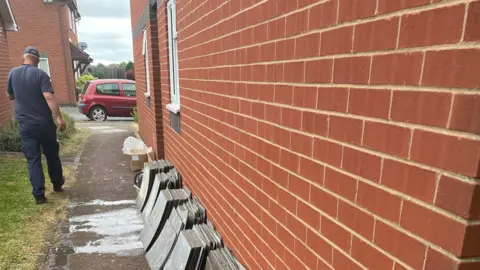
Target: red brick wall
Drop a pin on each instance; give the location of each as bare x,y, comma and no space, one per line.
333,134
5,104
40,27
149,117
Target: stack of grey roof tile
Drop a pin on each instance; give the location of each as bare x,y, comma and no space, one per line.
171,180
222,259
183,217
167,200
150,171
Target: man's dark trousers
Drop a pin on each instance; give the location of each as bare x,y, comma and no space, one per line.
45,136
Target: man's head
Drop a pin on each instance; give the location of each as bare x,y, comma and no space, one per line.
31,56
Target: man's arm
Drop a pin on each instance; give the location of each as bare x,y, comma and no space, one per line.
47,91
10,94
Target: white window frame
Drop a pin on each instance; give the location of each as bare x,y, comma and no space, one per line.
72,21
174,106
146,58
48,65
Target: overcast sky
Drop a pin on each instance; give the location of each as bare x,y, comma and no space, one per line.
105,27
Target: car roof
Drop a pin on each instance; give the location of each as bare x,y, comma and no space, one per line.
111,81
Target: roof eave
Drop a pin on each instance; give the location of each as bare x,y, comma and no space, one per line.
9,21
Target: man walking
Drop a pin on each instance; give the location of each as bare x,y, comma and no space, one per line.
35,103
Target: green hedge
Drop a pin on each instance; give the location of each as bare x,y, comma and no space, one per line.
10,138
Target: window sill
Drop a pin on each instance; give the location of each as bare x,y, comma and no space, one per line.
174,108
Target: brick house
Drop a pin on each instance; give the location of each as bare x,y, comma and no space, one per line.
320,134
7,23
51,26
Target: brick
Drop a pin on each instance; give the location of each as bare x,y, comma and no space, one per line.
304,97
309,215
297,23
297,227
284,94
379,202
361,164
356,219
332,99
434,227
299,187
386,138
285,236
307,46
278,212
258,110
287,200
340,184
413,181
283,49
301,144
398,266
465,115
325,15
438,261
386,6
311,170
400,245
276,29
421,29
351,10
279,176
324,201
294,72
281,137
369,256
397,69
336,234
306,255
267,52
292,118
354,70
452,68
347,130
458,197
328,152
314,123
459,155
341,261
289,160
319,245
369,102
337,41
318,71
420,107
376,36
272,113
473,23
274,73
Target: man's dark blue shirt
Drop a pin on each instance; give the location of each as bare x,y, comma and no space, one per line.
27,84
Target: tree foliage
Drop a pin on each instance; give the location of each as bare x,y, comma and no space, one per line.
82,80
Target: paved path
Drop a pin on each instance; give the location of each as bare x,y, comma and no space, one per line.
103,226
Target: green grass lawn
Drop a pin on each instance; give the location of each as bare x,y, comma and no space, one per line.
24,226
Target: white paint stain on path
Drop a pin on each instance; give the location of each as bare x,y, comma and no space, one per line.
103,203
117,231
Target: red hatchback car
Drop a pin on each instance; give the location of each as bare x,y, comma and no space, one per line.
100,99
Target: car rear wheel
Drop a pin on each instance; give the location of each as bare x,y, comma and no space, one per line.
98,114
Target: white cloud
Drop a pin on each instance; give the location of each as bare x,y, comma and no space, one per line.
105,26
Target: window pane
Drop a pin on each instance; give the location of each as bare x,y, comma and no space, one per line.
110,89
129,89
43,65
